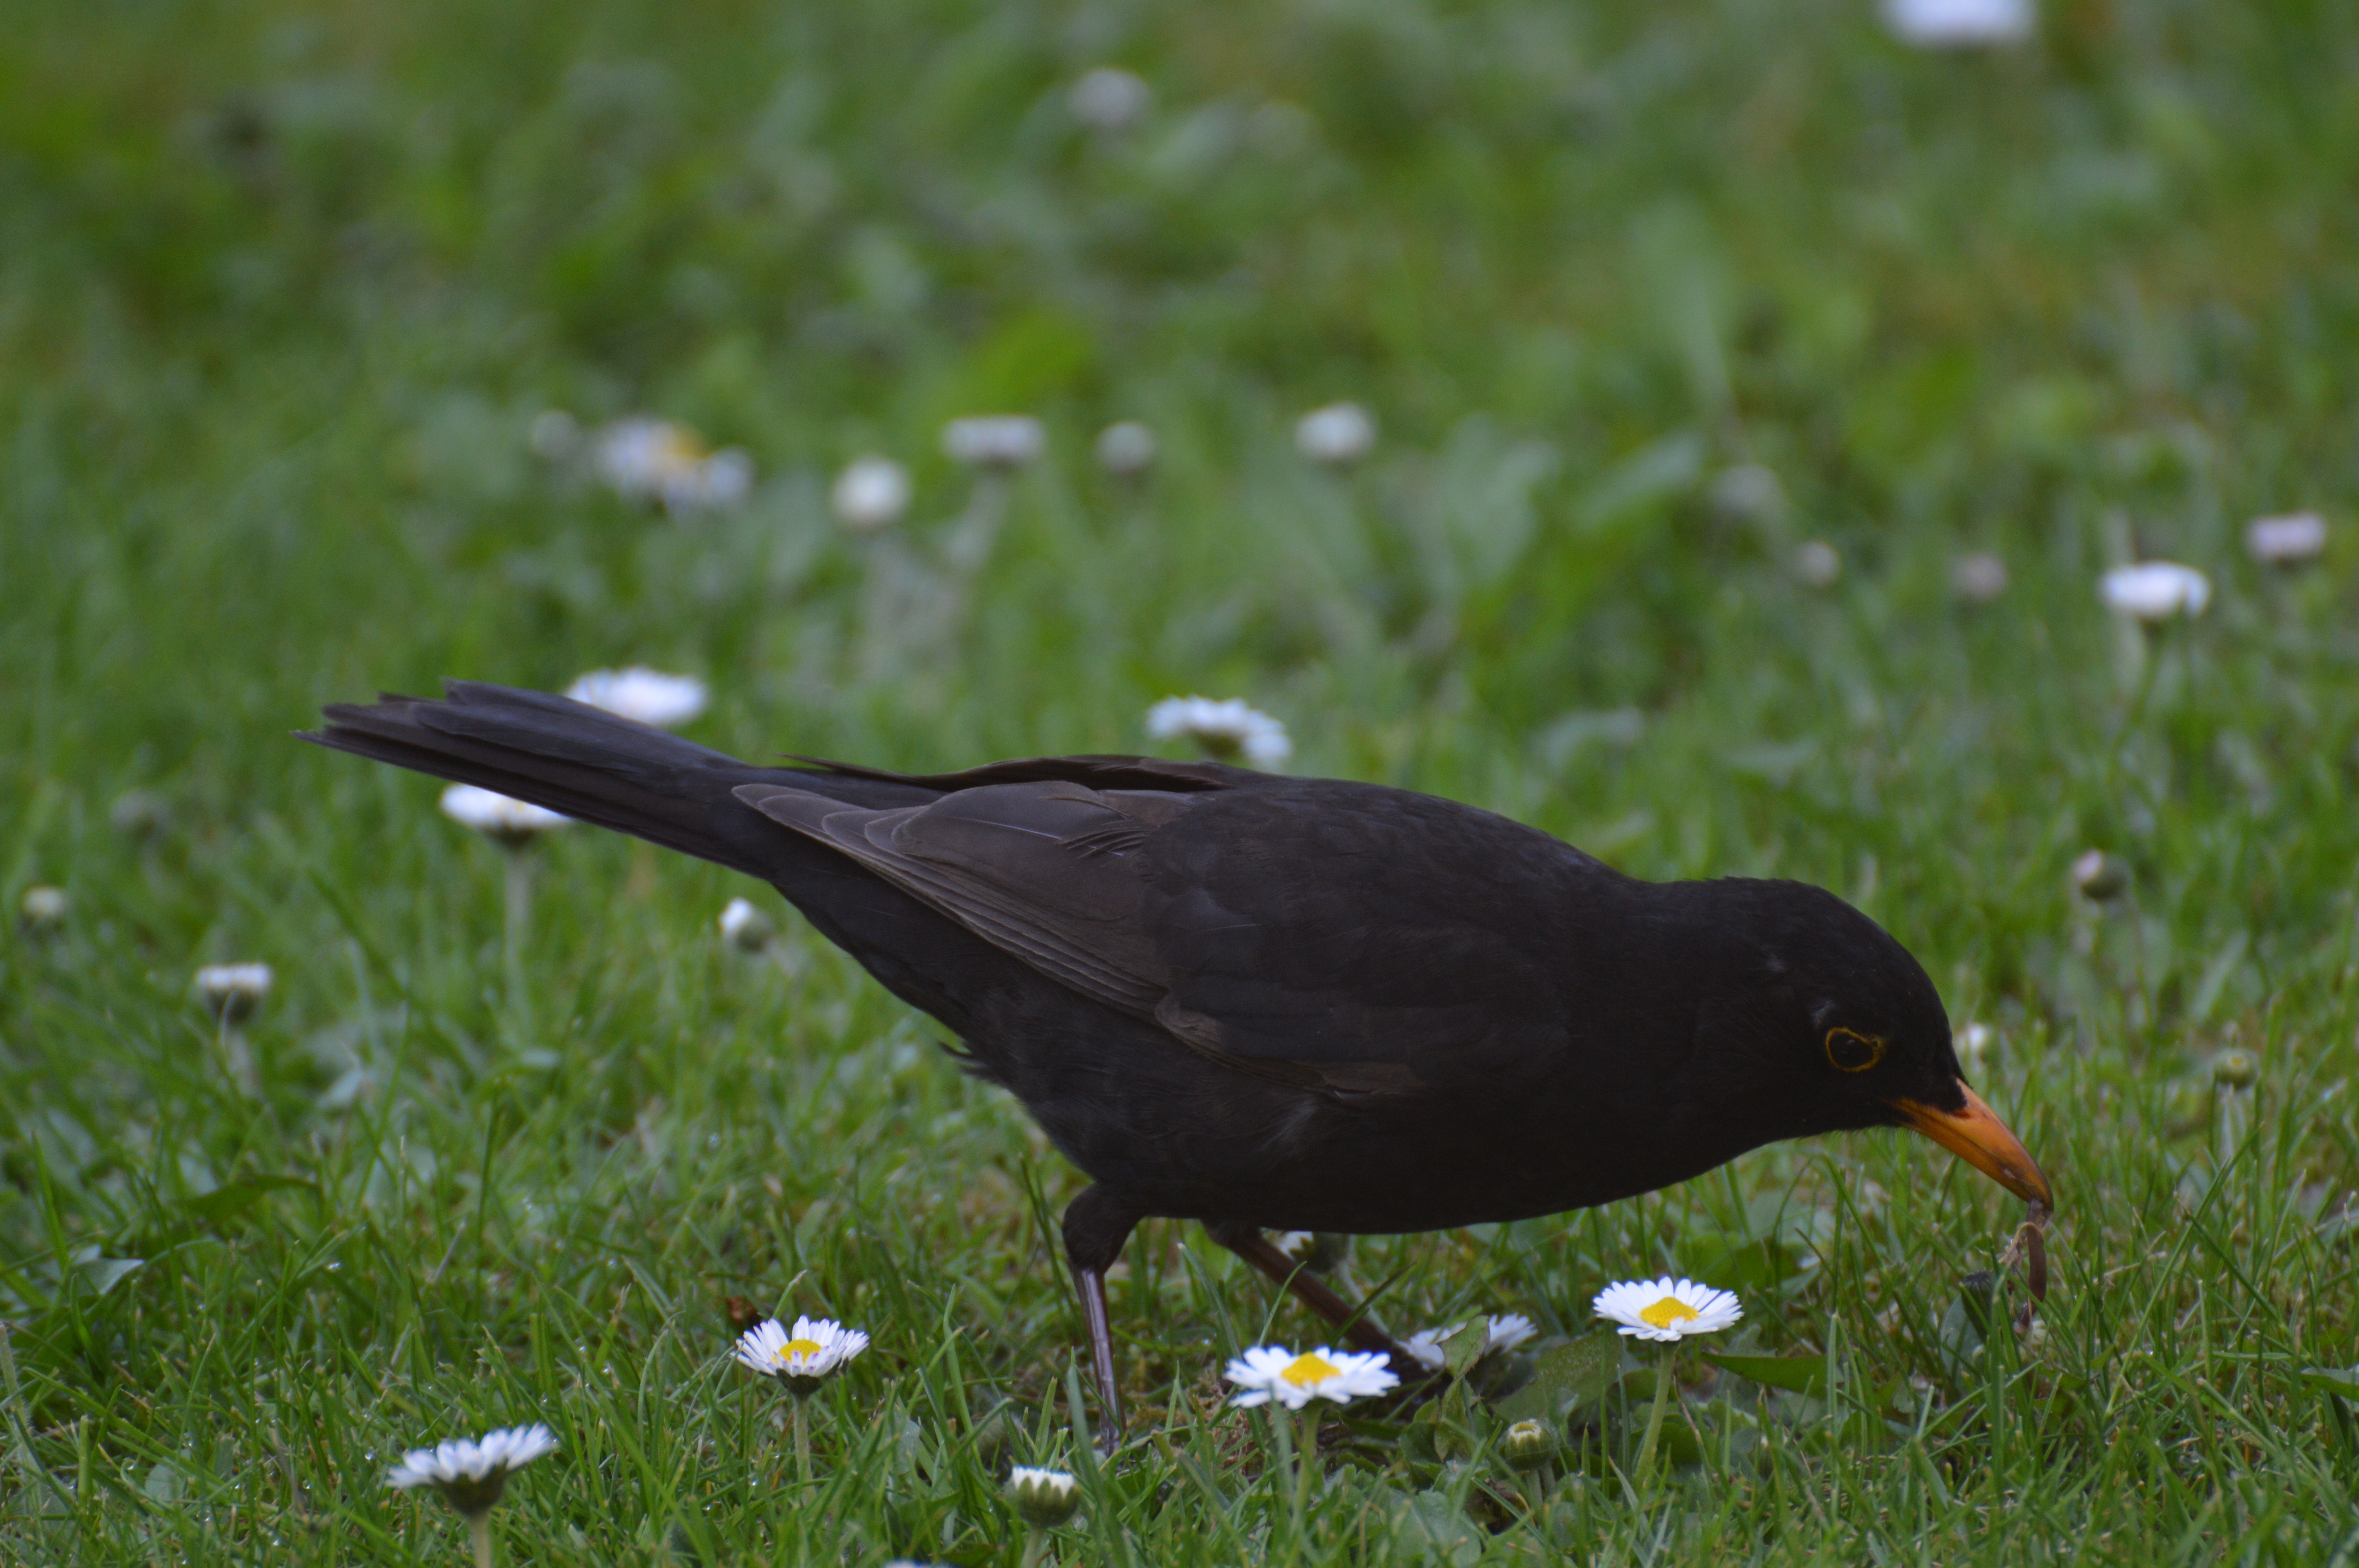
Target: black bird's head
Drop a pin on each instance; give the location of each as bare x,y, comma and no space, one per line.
1833,1025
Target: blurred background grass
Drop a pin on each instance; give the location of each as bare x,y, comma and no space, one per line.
1643,301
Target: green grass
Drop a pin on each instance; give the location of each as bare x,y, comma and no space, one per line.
281,291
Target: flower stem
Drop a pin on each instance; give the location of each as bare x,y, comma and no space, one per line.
519,918
802,1437
1308,1462
1036,1546
479,1536
1640,1472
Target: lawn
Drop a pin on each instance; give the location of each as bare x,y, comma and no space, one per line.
1704,341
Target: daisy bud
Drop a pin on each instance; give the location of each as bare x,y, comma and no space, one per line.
1111,99
2155,591
232,993
871,493
995,441
1959,24
1044,1498
43,909
1320,1251
2099,876
1974,1042
2235,1068
1127,450
1527,1445
1748,492
1816,564
2287,541
745,927
1338,435
1978,579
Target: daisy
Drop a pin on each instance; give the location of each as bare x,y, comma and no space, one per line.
1817,564
2099,876
745,927
1045,1497
1338,435
1268,1373
231,992
1978,579
1227,730
995,440
1959,24
1668,1310
511,823
2287,541
809,1352
1126,450
1503,1332
871,493
471,1476
648,695
44,908
2155,591
644,459
1110,98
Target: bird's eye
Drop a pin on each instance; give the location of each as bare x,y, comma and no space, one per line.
1849,1051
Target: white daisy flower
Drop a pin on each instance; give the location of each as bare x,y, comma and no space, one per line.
470,1475
648,695
1045,1498
871,493
1504,1333
799,1357
1337,434
1126,449
1271,1372
1111,99
2286,541
511,823
44,908
644,459
1749,492
1975,1043
1979,577
2155,591
995,440
1959,24
745,927
1666,1309
1225,729
231,992
1816,564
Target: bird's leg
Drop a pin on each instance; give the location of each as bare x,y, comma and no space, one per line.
1363,1332
1096,1225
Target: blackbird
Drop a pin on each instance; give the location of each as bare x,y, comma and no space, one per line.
1267,1002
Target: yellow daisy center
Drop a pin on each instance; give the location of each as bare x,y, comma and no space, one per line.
794,1348
1307,1370
1666,1311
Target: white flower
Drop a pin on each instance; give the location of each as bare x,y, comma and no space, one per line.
2288,540
2100,876
231,992
1974,1042
1749,492
471,1474
1339,434
654,459
1503,1332
1111,99
744,926
2155,591
1268,1372
648,695
44,908
1817,564
1125,448
803,1355
1225,729
1045,1497
1959,24
1978,579
1666,1309
510,822
870,492
995,440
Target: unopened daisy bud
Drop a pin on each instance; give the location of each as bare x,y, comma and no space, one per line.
1126,449
470,1477
2155,591
1816,564
1978,579
995,441
1043,1499
1320,1251
2235,1068
1526,1444
648,695
2099,876
1974,1042
871,493
1338,435
1111,99
43,909
2287,541
232,993
745,927
512,824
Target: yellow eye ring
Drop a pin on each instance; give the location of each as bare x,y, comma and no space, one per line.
1849,1051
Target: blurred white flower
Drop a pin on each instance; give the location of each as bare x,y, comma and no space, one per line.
1501,1332
44,908
1225,729
231,992
1271,1372
1979,577
995,440
2155,591
645,459
1125,448
1974,1042
1666,1309
638,693
1337,434
2286,541
2099,876
871,493
471,1476
1111,99
1959,24
799,1357
1045,1498
1749,492
1816,564
745,927
511,823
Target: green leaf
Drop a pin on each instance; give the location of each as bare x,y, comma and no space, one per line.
1795,1374
2343,1381
1568,1377
106,1273
1465,1345
227,1202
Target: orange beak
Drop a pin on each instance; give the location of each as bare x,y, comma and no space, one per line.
1978,1137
